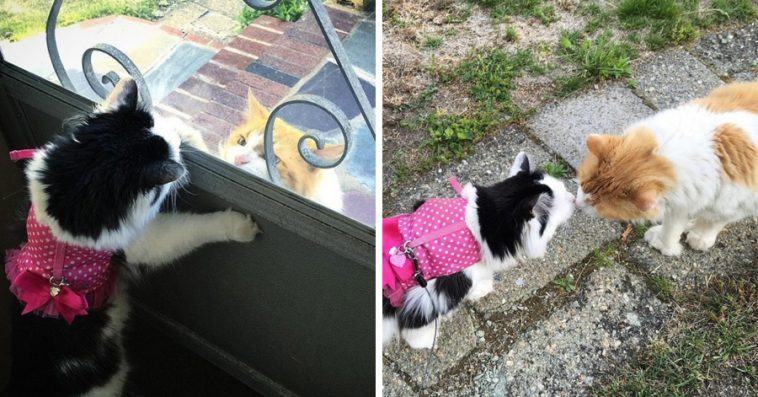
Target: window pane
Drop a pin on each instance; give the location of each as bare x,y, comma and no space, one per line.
219,67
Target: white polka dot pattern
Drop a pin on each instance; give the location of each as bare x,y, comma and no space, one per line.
449,253
85,270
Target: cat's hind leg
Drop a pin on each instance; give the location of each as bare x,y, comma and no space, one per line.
703,234
172,235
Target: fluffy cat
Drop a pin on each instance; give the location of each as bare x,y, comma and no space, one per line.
510,220
99,185
244,148
694,168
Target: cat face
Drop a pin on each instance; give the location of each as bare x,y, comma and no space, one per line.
518,216
245,148
99,182
623,177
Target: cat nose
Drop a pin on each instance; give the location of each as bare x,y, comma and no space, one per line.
241,159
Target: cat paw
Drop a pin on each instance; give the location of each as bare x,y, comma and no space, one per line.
654,237
240,227
699,242
480,289
419,338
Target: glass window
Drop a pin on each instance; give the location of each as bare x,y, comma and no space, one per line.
219,67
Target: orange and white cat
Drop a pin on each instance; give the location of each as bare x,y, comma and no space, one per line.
244,148
694,168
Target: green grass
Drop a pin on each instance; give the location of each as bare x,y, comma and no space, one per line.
287,10
511,34
19,19
601,58
432,42
500,9
713,339
452,135
667,21
604,257
565,284
733,10
490,74
598,17
662,287
555,169
641,229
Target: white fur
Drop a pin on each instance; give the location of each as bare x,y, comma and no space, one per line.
146,237
702,201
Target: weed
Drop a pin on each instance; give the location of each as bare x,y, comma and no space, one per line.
432,42
601,58
287,10
710,341
499,9
511,34
565,284
732,10
641,229
662,287
598,17
667,21
491,72
451,135
603,258
555,169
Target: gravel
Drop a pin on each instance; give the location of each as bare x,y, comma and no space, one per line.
730,52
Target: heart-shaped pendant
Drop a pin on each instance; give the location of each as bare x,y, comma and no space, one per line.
54,290
398,260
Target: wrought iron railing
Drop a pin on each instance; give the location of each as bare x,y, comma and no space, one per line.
335,46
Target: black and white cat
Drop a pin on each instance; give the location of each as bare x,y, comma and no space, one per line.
511,220
100,185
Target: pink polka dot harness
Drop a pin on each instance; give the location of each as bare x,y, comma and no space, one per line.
434,241
56,279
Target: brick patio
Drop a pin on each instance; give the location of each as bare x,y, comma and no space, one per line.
269,57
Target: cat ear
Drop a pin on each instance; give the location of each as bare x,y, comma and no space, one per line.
162,172
124,96
597,144
645,199
255,110
521,164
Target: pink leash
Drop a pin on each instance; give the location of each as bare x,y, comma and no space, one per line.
23,154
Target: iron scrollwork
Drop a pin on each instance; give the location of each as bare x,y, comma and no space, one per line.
335,46
89,72
343,62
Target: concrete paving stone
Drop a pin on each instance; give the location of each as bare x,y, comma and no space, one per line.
456,338
216,25
672,77
182,17
564,125
730,52
613,315
734,254
393,385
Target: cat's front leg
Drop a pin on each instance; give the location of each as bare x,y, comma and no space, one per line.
482,281
665,237
172,235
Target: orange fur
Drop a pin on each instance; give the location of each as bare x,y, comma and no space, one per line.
732,97
297,174
738,155
624,175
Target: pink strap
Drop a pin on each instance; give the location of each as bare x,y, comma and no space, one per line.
22,154
60,255
454,183
449,229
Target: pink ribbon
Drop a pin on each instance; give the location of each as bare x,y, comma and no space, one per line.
35,291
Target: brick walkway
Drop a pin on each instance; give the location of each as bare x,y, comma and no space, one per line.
270,57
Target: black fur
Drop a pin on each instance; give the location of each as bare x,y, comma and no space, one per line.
96,170
504,209
453,287
40,345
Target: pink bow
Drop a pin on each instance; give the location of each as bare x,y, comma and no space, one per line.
37,291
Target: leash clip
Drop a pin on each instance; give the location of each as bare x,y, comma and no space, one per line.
408,251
